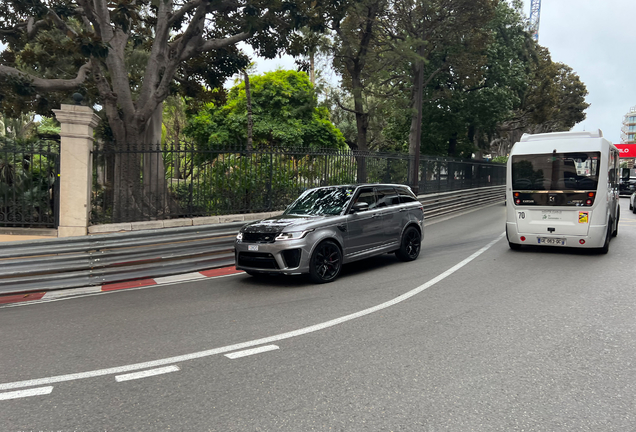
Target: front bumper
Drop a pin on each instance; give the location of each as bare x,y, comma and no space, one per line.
281,257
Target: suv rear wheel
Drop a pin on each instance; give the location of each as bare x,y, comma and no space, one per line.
410,246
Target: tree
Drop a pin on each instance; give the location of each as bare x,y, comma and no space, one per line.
432,37
285,115
58,47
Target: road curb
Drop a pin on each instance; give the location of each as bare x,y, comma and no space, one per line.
71,292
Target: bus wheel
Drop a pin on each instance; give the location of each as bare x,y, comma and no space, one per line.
618,218
514,246
605,248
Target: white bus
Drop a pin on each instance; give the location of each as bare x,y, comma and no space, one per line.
562,190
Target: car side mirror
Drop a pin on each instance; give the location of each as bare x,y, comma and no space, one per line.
359,207
625,173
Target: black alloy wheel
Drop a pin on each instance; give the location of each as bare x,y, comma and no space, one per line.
411,244
325,263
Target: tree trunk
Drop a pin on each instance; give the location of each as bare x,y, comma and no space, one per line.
415,133
312,70
140,186
250,123
362,124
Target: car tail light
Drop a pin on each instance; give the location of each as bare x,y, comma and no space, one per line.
522,238
582,241
517,201
589,202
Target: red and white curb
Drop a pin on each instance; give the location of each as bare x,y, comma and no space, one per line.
56,294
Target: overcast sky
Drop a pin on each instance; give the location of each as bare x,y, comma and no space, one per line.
593,38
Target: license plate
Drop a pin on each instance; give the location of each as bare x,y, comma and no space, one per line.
552,241
252,247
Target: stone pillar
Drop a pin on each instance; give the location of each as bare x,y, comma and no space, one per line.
76,168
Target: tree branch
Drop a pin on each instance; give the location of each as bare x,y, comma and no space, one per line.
184,10
48,85
213,44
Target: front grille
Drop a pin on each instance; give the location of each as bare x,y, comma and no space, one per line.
259,260
249,237
291,257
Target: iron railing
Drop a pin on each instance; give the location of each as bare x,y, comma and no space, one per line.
140,183
29,184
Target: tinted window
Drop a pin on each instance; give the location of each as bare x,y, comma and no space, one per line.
406,195
367,195
329,201
556,171
387,196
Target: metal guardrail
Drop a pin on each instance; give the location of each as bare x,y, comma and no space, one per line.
50,264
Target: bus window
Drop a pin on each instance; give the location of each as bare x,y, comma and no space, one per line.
556,171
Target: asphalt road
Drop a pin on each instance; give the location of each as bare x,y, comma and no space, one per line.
466,338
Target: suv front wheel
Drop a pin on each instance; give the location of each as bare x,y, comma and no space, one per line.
410,246
325,262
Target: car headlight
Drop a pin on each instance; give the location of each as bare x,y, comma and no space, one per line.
293,235
239,236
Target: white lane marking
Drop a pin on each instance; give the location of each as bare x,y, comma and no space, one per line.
243,345
250,352
180,278
26,393
146,373
71,292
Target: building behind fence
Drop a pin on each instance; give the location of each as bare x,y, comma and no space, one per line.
184,181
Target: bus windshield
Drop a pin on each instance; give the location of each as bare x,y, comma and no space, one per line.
556,171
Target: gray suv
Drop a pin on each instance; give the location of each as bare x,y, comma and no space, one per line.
330,226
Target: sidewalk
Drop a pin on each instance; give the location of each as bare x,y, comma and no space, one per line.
25,234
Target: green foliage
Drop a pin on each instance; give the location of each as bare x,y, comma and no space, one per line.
27,177
285,114
500,159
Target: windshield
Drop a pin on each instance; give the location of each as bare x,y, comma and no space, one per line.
323,201
556,171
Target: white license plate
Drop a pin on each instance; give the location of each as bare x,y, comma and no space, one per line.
552,241
252,247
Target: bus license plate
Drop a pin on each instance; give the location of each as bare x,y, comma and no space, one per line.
552,241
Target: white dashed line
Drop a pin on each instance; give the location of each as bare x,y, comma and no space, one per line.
147,373
26,393
253,343
250,352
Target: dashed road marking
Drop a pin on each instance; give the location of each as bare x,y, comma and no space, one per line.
146,373
26,393
250,352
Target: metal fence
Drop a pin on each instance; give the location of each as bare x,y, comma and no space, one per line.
29,183
137,183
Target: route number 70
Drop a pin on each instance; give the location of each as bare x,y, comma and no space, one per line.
522,215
